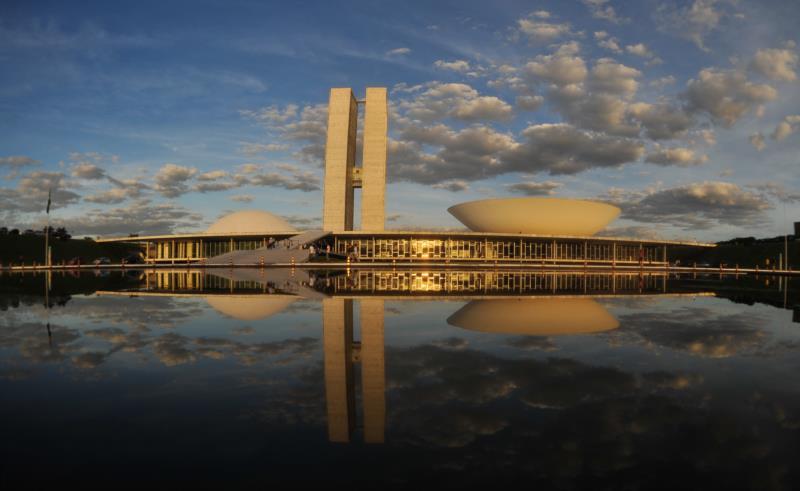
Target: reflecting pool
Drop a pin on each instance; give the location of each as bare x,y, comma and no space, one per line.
458,378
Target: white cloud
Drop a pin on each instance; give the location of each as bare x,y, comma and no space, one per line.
639,49
112,196
17,161
559,69
777,191
142,217
694,206
461,66
213,175
271,114
693,22
306,128
680,156
242,198
564,149
253,149
88,171
31,191
786,127
614,78
775,64
532,188
726,95
529,102
398,52
540,31
171,180
609,43
454,100
758,141
661,121
456,185
601,9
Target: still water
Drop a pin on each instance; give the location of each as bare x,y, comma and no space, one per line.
395,377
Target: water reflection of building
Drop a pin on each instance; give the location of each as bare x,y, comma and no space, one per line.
341,354
543,316
501,302
393,282
503,283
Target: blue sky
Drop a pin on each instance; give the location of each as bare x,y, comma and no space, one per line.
157,117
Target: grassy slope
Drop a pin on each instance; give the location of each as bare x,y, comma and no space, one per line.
31,248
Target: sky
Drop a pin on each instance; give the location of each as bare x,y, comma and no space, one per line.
160,117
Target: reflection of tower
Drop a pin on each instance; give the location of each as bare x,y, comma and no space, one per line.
337,322
373,370
337,331
341,174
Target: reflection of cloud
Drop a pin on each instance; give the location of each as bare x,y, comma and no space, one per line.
243,331
171,349
532,343
451,343
137,311
677,381
448,398
699,331
33,343
89,360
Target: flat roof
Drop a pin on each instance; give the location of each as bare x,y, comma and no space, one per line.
417,233
197,235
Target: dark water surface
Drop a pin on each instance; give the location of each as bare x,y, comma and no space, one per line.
457,378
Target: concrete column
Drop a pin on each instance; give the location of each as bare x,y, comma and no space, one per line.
373,187
373,371
340,156
337,327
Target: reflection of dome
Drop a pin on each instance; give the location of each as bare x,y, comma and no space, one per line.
535,316
249,307
249,221
543,216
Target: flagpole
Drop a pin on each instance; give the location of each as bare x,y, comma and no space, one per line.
47,233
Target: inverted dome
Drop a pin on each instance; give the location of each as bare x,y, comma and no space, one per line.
249,221
249,307
540,216
547,316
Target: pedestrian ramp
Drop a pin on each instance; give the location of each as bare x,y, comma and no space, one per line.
290,250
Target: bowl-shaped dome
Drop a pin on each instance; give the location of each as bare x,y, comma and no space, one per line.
541,216
249,221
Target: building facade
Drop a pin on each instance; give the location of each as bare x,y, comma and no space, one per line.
536,231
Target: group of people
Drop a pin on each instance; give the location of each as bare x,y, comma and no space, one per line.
272,243
319,248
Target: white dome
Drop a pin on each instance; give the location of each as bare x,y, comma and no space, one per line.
542,216
249,221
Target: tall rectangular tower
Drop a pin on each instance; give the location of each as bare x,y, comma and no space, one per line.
340,156
373,187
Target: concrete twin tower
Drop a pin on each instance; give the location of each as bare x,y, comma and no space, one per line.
341,174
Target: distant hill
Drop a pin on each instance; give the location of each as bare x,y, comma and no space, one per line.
30,248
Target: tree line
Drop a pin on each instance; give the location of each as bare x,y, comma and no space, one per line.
55,232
